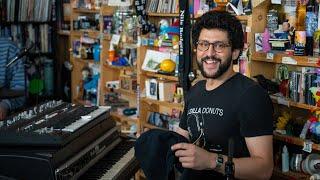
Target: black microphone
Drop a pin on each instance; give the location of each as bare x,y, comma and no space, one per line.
229,166
22,53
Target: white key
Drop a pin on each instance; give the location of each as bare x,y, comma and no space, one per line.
85,119
120,166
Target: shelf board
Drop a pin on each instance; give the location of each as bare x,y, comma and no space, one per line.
308,61
87,11
83,60
119,67
125,92
289,175
91,33
6,23
122,118
163,14
164,103
289,103
79,101
64,32
151,126
293,140
161,76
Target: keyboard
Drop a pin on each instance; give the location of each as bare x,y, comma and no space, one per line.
119,163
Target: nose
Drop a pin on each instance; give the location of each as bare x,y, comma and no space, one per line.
211,51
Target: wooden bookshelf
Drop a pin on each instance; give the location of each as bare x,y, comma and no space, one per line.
289,103
83,60
163,103
278,174
161,76
150,126
119,67
278,59
125,92
163,14
122,118
86,11
293,140
64,32
90,33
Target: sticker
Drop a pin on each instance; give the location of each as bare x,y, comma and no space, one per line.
307,146
289,60
115,39
270,56
282,101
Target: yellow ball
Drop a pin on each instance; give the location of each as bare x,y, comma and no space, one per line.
167,65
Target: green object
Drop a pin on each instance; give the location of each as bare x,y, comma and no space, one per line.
36,86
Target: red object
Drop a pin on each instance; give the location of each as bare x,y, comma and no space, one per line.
283,87
313,119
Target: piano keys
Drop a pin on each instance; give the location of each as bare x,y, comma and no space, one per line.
118,164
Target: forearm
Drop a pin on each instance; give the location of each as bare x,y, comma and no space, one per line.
248,168
12,104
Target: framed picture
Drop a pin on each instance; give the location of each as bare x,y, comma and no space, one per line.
152,89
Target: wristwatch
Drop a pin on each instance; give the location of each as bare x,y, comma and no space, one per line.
219,161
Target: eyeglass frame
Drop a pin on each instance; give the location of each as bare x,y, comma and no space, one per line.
214,45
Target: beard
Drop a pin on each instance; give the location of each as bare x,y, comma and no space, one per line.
223,66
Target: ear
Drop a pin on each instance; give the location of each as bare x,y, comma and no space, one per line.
235,54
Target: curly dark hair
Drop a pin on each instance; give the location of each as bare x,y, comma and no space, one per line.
222,21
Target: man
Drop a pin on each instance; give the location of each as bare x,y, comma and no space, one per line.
225,105
11,77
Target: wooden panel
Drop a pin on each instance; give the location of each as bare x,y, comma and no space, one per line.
76,77
267,69
278,57
293,140
163,103
107,10
163,14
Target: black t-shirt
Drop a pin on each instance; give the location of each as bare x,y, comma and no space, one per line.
238,108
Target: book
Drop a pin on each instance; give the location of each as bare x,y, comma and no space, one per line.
166,90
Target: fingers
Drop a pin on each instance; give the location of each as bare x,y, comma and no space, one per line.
180,146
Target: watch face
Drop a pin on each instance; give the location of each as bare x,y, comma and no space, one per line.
220,160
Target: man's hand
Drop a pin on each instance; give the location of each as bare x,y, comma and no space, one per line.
3,113
194,157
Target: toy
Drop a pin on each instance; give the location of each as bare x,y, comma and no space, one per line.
315,94
283,121
167,65
265,41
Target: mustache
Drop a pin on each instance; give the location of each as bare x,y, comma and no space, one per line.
210,58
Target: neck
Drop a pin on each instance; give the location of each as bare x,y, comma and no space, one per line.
212,84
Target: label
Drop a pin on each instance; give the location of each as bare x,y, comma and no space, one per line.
115,39
289,60
270,56
307,146
282,101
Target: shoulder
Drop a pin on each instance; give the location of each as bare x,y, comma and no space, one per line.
245,85
196,89
199,86
6,42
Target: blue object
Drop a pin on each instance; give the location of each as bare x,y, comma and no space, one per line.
122,61
96,52
93,84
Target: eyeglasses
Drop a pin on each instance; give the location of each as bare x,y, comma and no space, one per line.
218,46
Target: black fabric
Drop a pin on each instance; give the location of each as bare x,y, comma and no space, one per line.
153,151
238,108
185,56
